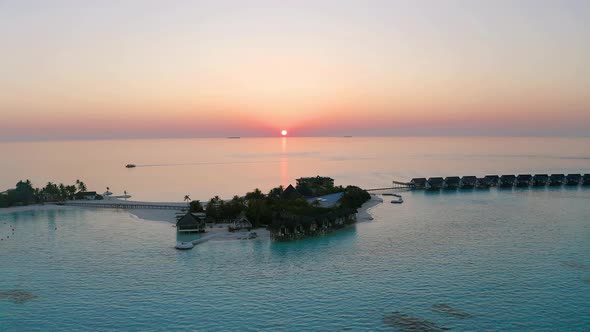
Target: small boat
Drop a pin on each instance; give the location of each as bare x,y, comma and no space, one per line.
252,235
130,165
399,200
184,245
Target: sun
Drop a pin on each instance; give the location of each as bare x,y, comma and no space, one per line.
284,132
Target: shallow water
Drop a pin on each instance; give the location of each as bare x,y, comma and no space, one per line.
510,259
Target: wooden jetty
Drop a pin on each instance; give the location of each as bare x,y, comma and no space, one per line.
114,205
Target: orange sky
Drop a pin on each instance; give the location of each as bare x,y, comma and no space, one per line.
314,68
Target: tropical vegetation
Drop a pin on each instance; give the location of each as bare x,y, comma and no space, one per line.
262,209
24,193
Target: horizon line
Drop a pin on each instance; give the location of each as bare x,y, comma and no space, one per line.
138,138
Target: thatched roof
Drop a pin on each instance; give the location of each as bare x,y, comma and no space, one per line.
291,193
189,220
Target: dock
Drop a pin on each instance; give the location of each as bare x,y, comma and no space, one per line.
487,181
118,205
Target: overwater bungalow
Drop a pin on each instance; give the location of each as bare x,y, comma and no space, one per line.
540,180
573,179
483,183
586,180
468,182
524,180
452,182
191,222
286,226
556,179
506,181
435,183
492,180
418,183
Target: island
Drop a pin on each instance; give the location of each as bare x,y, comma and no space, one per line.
313,207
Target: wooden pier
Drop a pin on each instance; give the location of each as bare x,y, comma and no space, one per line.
395,185
113,205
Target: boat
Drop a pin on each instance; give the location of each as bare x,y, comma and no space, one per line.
130,165
399,200
252,235
184,245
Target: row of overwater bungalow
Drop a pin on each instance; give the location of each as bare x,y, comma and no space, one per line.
286,227
503,181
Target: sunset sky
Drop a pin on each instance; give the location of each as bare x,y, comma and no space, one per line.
139,69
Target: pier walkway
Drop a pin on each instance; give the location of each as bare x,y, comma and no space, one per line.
127,205
395,185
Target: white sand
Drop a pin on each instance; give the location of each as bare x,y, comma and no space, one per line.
155,215
363,213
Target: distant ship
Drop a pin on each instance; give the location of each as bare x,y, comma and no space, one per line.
130,165
233,137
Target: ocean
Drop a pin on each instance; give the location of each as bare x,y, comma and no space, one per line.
468,260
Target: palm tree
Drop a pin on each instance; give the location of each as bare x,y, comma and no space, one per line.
187,198
125,193
81,185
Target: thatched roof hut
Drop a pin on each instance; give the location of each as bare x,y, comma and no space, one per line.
540,180
573,179
191,222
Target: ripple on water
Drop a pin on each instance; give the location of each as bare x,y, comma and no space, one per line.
408,323
18,296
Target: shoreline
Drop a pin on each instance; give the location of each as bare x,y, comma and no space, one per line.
364,213
35,207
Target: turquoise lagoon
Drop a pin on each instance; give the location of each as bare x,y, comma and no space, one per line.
514,260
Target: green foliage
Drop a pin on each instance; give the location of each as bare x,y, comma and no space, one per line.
25,194
354,197
221,211
196,206
4,201
81,186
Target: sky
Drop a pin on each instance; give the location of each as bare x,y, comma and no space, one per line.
157,69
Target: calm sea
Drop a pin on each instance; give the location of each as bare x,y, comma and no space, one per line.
512,260
169,169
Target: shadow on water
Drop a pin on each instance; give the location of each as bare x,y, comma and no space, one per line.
443,308
407,323
312,244
187,237
576,265
17,296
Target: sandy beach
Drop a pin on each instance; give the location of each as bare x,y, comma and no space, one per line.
364,212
